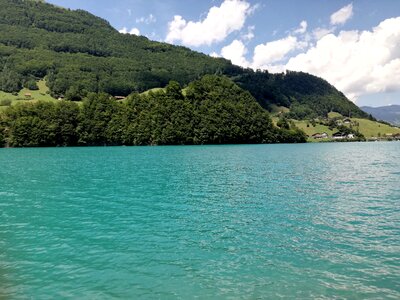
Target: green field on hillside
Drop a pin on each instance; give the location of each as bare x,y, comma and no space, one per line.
375,129
309,129
370,129
333,114
39,95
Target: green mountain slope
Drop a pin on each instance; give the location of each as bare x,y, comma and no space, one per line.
80,53
213,110
306,95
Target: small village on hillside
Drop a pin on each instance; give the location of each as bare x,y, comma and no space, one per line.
340,128
341,137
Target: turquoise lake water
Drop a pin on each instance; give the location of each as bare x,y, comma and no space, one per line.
213,222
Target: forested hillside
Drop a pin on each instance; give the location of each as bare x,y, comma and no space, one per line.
79,53
213,111
306,95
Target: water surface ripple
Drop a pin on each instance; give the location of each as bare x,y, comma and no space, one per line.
231,222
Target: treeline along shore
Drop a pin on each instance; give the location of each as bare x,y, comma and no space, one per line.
211,110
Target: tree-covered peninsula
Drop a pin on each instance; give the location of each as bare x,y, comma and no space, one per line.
212,110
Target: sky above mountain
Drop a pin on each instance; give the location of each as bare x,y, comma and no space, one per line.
354,45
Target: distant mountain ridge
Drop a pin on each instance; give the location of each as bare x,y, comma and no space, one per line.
390,114
79,53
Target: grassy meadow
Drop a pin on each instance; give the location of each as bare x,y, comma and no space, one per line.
38,95
375,129
370,129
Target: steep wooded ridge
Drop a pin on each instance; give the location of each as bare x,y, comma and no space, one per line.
79,53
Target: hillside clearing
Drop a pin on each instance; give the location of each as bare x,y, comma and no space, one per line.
375,129
38,95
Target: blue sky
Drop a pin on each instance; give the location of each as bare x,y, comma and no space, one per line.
352,44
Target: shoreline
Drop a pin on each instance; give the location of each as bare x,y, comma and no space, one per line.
201,145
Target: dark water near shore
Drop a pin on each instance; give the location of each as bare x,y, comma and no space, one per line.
257,221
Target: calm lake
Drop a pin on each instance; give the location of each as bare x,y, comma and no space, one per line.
239,222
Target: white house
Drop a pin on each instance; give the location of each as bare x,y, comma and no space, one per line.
350,136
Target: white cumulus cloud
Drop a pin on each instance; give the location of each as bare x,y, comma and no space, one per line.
342,15
357,63
134,31
219,23
272,52
235,52
270,55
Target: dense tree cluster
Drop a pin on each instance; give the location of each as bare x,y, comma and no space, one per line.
79,54
212,110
